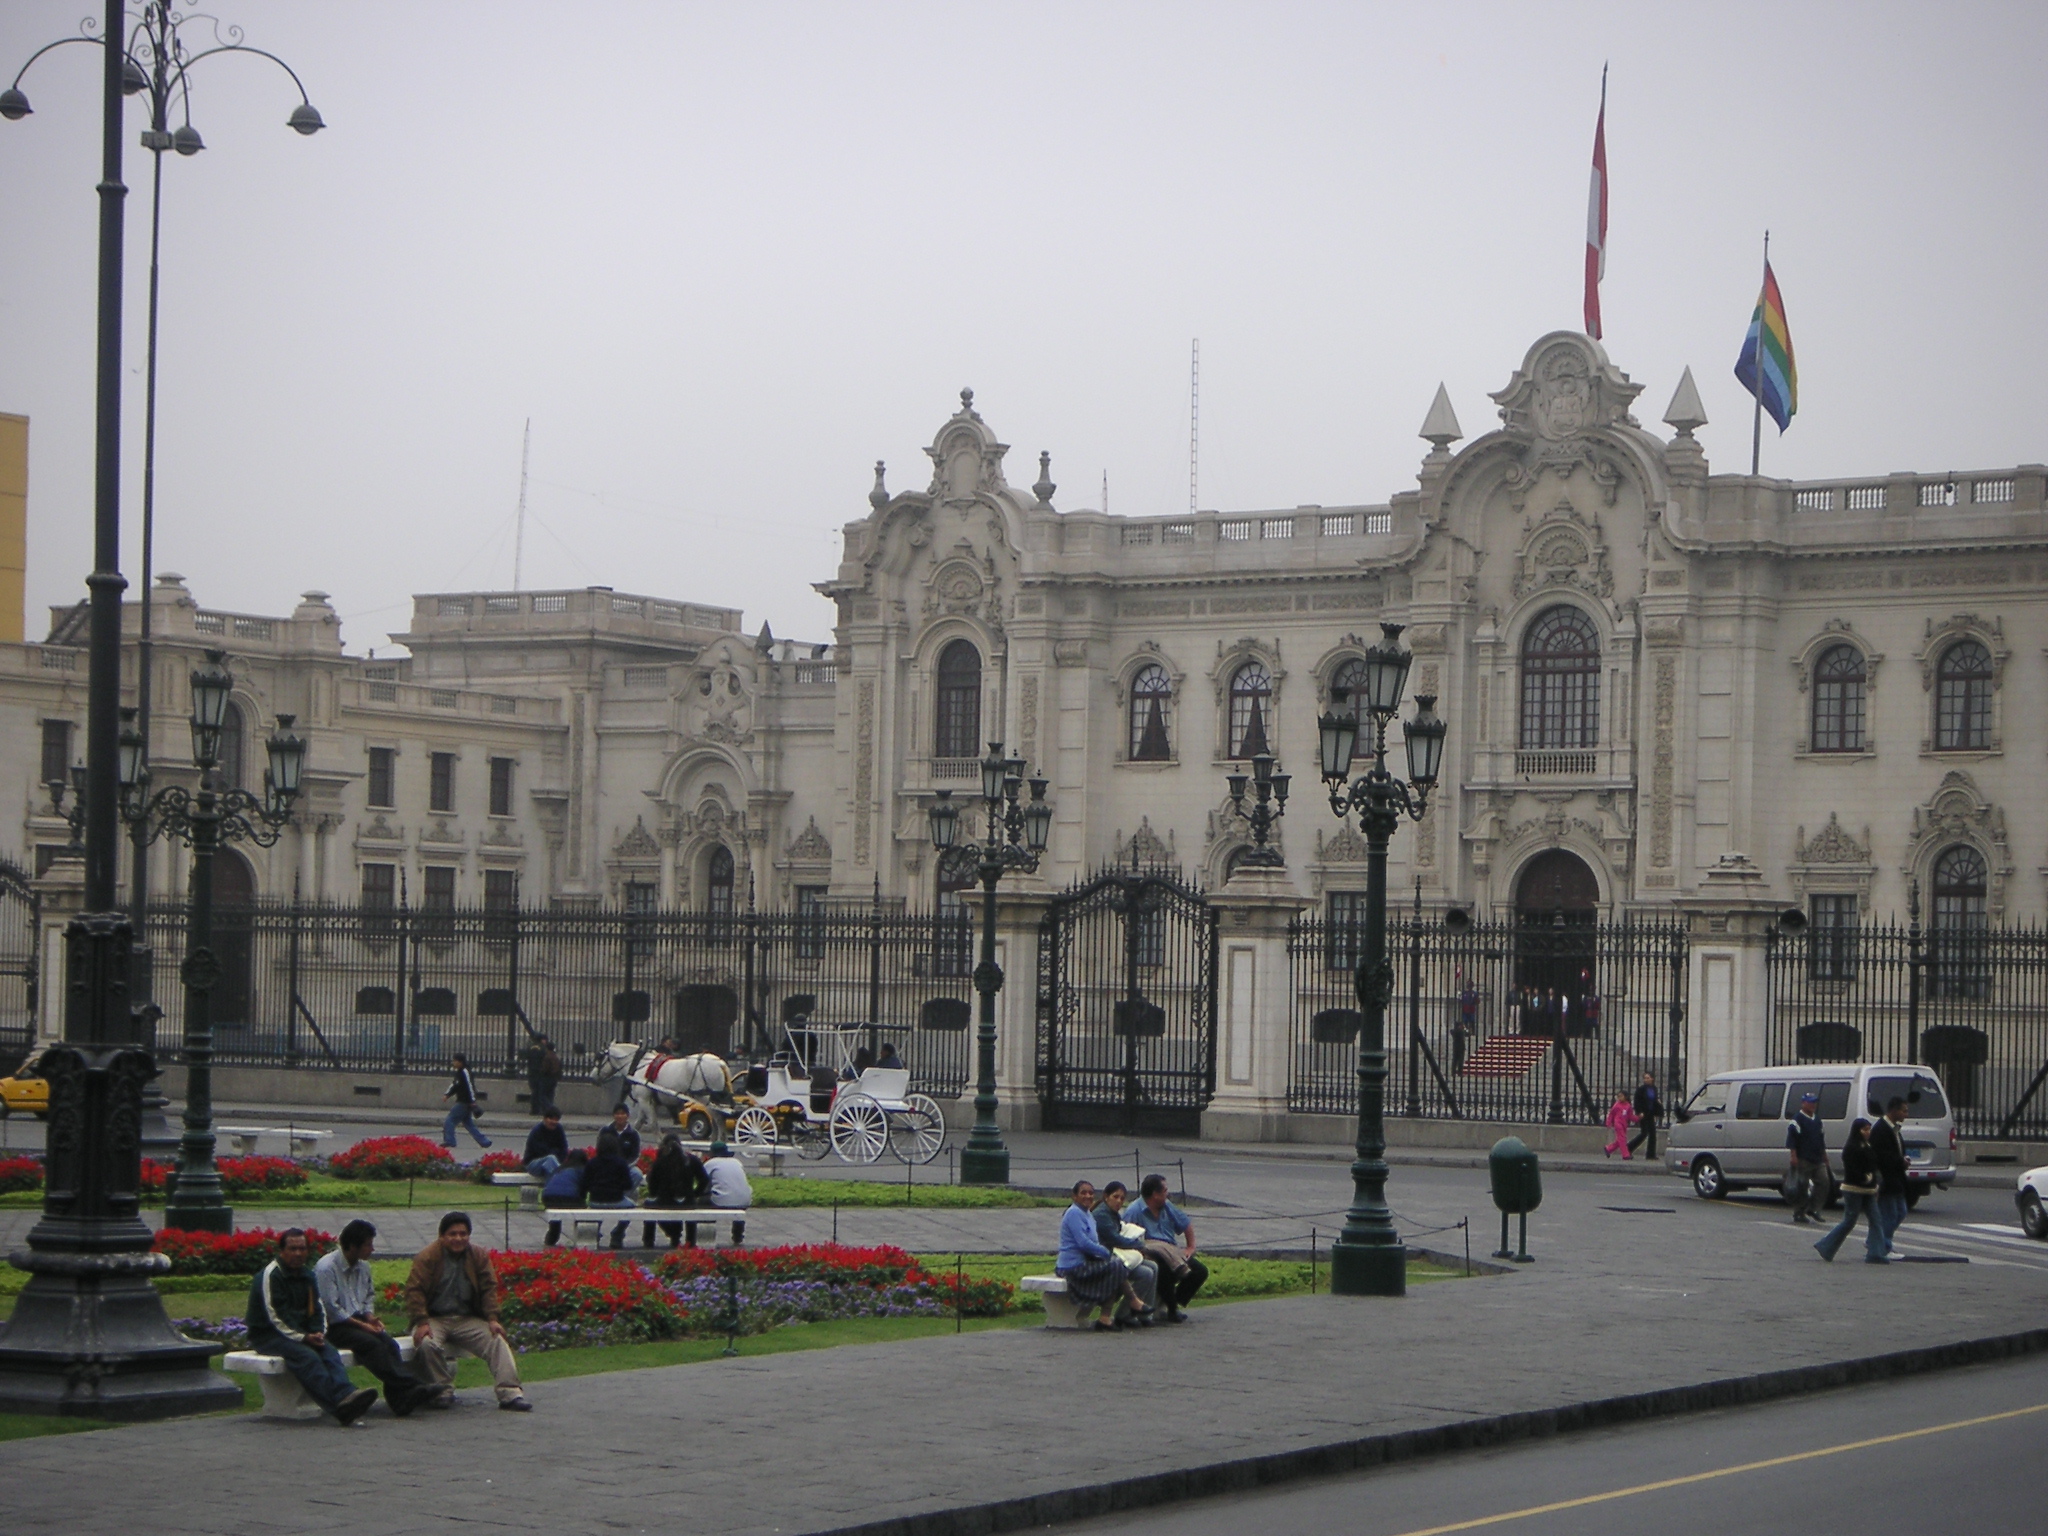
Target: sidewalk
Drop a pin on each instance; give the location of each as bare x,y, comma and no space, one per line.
1623,1298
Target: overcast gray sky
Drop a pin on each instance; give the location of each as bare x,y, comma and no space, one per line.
727,256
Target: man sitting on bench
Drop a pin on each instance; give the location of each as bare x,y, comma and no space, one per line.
729,1190
285,1318
1170,1241
546,1144
675,1182
452,1298
350,1296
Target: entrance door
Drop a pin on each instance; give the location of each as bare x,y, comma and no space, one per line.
1557,904
234,893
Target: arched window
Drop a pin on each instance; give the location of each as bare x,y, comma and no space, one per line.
232,735
1561,681
1151,697
1347,686
1838,679
718,881
1958,965
1251,701
1962,698
958,711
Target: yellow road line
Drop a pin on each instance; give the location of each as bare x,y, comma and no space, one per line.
1702,1477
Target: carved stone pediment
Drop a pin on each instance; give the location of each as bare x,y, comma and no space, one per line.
1345,846
1831,861
1564,549
810,846
1958,812
1565,387
638,843
1832,844
1144,847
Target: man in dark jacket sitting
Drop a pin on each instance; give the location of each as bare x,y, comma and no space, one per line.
286,1319
546,1144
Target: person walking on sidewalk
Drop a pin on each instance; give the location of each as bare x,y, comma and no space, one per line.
1859,1198
285,1318
462,1089
350,1297
1888,1147
1620,1116
452,1298
1806,1148
1647,1106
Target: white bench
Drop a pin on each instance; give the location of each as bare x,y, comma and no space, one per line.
283,1397
576,1220
245,1137
1061,1311
528,1185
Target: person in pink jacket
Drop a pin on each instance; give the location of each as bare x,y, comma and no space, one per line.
1619,1119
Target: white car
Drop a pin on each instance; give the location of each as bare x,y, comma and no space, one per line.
2032,1199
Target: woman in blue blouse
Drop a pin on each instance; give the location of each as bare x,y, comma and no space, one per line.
1095,1277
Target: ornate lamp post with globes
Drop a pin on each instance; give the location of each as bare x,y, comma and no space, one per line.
204,819
1015,835
1368,1258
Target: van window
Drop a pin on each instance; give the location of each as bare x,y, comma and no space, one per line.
1834,1099
1711,1099
1760,1101
1921,1093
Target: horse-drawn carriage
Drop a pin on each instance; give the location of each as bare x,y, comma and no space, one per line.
814,1095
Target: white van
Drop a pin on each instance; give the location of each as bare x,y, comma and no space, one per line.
1731,1133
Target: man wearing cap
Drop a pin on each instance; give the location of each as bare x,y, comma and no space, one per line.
1807,1149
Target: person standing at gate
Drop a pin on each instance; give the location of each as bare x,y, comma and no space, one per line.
462,1089
1647,1106
1807,1149
1467,1028
543,1073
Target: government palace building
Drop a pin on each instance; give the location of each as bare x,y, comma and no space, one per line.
1662,685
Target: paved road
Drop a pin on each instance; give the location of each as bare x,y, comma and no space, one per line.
1956,1452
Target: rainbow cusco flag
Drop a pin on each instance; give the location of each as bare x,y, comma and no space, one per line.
1776,383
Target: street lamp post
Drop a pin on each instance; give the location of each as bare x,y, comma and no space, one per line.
1269,804
1015,835
1368,1258
204,819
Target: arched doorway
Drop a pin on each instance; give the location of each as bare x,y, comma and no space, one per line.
234,892
1557,904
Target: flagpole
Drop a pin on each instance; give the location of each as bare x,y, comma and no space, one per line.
1756,429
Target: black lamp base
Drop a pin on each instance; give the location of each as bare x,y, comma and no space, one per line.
1357,1270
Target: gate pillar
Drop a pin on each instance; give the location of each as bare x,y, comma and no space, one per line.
60,894
1019,911
1728,993
1254,1005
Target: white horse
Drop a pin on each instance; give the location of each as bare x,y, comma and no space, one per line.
697,1076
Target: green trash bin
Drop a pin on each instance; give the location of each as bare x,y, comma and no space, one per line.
1517,1190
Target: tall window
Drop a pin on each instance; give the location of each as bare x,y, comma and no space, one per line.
1956,948
501,786
1251,703
229,773
1347,687
437,902
810,922
383,760
1346,930
1838,679
1831,946
501,897
719,881
57,752
1561,681
642,897
441,781
1151,694
958,712
1962,698
380,886
953,925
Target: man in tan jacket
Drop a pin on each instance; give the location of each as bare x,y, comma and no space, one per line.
451,1296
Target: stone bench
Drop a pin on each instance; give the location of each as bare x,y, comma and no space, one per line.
283,1397
528,1185
1061,1311
576,1220
303,1143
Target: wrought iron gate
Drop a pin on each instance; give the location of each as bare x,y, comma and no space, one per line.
1127,1005
20,936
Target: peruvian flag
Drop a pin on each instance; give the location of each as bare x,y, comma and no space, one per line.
1596,217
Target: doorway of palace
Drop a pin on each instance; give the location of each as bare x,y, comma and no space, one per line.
1557,909
234,893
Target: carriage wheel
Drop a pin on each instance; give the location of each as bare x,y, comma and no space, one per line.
860,1129
697,1125
917,1130
813,1141
755,1127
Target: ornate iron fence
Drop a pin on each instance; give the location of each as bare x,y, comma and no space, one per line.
1495,1021
1971,1003
393,989
20,939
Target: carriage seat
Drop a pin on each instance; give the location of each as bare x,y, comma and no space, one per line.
886,1083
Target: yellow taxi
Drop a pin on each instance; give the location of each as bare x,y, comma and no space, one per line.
25,1092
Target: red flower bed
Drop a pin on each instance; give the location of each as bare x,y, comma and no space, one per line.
246,1175
562,1297
797,1261
154,1174
393,1157
20,1173
497,1162
233,1253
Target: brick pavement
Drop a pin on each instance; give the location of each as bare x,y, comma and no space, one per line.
814,1441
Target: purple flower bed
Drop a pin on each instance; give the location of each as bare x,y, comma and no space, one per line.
765,1304
231,1331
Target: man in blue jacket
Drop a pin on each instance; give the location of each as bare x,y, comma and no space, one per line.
546,1144
286,1318
1170,1240
1806,1145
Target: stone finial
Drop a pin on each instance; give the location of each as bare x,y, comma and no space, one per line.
966,402
1685,414
1044,489
878,498
1440,427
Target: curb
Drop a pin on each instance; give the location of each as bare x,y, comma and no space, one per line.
1253,1473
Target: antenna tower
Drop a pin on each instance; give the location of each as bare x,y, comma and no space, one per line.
1194,422
519,528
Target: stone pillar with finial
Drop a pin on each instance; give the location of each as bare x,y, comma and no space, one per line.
1440,429
1044,488
878,498
1685,462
